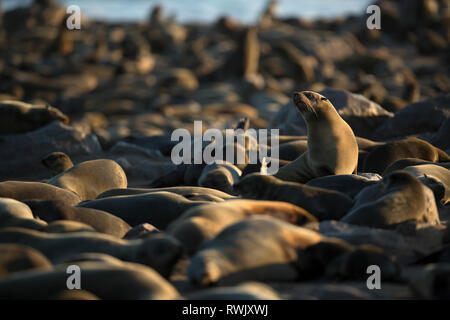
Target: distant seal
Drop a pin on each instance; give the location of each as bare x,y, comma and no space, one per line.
158,208
15,258
206,221
159,251
398,198
57,162
220,175
106,281
382,156
21,190
90,178
101,221
322,203
332,146
19,117
255,249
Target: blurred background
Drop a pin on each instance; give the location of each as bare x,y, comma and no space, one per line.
206,10
141,69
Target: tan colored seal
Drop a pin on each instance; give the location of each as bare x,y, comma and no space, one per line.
206,221
255,249
381,157
24,190
90,178
332,147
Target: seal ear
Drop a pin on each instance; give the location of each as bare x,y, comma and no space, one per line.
323,99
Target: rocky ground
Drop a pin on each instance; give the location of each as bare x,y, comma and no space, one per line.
118,91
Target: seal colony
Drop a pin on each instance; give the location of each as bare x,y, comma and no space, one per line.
87,177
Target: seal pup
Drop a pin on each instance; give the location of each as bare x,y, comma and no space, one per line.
106,281
382,156
397,198
57,162
332,147
158,251
204,222
255,249
323,204
19,117
90,178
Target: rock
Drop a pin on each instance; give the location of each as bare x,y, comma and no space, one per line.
26,150
420,117
442,138
433,282
20,117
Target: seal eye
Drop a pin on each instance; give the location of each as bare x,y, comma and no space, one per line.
323,99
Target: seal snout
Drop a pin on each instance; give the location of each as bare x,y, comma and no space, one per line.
302,101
